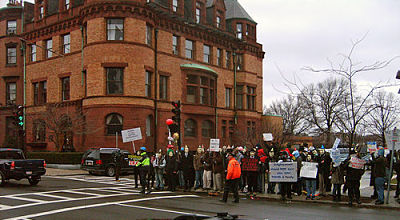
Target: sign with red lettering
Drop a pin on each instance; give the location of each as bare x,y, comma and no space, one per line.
249,164
357,163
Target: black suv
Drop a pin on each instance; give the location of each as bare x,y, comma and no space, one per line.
100,161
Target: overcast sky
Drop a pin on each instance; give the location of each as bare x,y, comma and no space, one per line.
299,33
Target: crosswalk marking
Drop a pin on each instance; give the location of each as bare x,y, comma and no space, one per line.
82,193
53,196
3,206
26,199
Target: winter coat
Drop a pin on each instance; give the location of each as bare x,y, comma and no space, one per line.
234,170
379,167
159,163
337,175
172,164
207,162
187,162
197,164
351,173
217,163
324,164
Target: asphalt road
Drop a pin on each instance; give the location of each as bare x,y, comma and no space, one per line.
96,197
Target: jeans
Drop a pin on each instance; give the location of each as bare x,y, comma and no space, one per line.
380,188
199,178
311,186
159,178
181,179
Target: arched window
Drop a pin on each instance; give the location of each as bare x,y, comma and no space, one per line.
149,121
190,128
39,131
207,129
113,124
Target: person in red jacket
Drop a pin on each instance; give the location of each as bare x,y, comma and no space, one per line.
232,179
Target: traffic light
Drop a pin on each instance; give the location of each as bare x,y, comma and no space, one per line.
20,116
177,112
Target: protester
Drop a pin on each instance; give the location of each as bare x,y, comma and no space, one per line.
271,158
159,168
337,181
252,175
144,168
311,183
136,171
286,187
180,178
324,164
261,169
232,179
207,174
198,168
117,159
298,185
380,174
217,170
397,169
353,177
187,168
171,170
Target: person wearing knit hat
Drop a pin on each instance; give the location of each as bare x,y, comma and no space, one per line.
380,174
171,170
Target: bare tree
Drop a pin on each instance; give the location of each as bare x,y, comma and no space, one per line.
356,107
323,105
384,116
290,108
63,121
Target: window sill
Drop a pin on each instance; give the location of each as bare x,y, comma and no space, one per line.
11,65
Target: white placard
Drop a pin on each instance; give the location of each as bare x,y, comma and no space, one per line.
357,163
267,137
214,145
283,172
133,134
309,170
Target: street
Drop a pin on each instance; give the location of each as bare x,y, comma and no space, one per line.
98,197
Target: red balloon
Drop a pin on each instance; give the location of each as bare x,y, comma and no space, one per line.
169,121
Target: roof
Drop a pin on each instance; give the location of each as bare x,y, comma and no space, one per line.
209,3
235,10
199,67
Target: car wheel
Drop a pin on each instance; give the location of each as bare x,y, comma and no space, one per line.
2,179
110,171
33,181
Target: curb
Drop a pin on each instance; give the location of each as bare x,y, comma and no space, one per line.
65,166
322,202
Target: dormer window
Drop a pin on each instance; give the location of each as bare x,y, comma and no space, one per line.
239,31
174,5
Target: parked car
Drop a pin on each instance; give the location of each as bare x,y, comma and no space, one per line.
100,161
13,165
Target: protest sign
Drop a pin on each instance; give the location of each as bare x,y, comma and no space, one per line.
133,160
392,137
309,170
214,145
336,144
133,134
357,163
371,147
249,164
283,172
267,137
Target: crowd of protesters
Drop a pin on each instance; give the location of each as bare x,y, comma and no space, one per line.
211,171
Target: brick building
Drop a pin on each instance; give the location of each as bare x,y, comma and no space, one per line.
94,67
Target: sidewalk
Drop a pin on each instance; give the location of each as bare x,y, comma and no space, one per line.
366,192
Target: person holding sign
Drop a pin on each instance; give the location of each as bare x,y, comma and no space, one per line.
232,179
144,169
380,174
311,181
355,170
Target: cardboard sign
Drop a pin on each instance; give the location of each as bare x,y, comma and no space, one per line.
214,145
267,137
357,163
249,164
309,170
283,172
133,134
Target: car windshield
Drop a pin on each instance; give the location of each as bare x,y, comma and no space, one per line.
14,155
94,154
